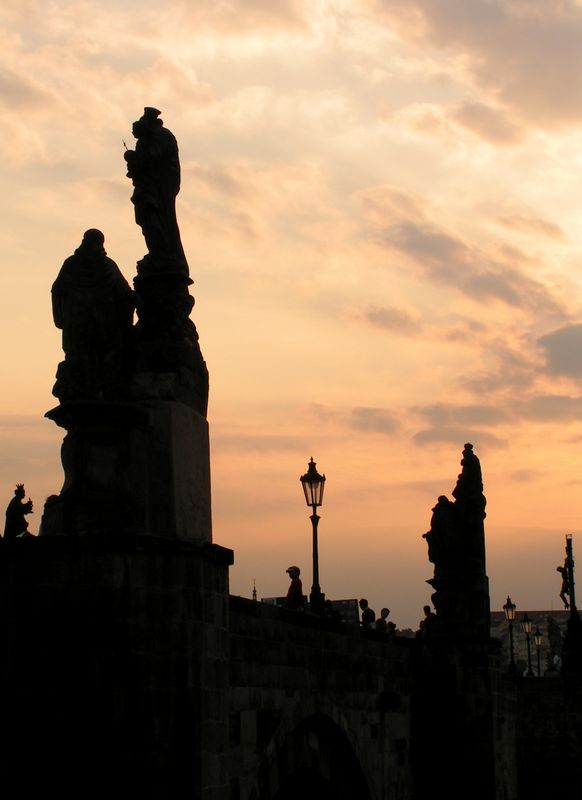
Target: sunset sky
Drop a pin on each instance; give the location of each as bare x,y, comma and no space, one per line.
381,206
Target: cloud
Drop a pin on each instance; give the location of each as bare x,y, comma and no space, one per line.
465,331
529,225
526,56
18,92
491,124
259,443
405,224
458,435
446,258
499,380
538,408
223,179
563,351
450,414
375,420
243,16
545,408
551,408
391,318
525,475
515,368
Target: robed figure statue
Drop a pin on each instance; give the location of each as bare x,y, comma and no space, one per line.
93,306
154,168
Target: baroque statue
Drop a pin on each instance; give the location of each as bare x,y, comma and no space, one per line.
93,306
454,540
154,168
456,547
167,359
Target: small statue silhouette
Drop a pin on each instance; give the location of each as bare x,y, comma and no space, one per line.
565,588
16,524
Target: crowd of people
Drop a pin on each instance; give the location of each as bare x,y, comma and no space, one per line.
295,600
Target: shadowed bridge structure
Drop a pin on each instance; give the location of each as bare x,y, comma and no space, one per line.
127,669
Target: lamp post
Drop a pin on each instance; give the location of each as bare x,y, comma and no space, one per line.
538,636
509,611
526,625
313,484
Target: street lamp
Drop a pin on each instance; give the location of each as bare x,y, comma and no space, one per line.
509,611
526,626
313,484
538,636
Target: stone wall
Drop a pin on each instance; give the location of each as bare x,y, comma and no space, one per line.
114,668
309,696
549,738
125,669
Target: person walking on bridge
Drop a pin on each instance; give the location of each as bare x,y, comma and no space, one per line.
295,599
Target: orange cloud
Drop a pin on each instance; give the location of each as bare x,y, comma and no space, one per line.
20,92
235,16
525,55
491,124
391,318
563,350
535,225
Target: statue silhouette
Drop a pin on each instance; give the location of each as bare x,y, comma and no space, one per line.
93,306
16,523
154,168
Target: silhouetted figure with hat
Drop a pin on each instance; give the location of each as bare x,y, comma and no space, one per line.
295,599
16,524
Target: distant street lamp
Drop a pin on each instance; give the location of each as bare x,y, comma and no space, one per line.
313,484
526,626
509,611
538,636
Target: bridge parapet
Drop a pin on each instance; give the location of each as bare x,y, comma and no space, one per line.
305,690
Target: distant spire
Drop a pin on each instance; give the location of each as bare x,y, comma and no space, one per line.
254,591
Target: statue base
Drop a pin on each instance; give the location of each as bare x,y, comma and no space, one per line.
138,468
462,608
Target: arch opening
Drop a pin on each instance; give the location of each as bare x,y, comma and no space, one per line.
315,761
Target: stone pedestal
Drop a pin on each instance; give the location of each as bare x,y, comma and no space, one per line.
135,468
462,606
114,668
458,724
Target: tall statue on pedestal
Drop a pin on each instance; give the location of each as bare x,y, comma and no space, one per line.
456,547
169,363
133,400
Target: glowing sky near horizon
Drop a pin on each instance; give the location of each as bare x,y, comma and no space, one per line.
382,210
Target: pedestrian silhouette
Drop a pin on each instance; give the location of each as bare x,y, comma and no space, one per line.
295,599
368,615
